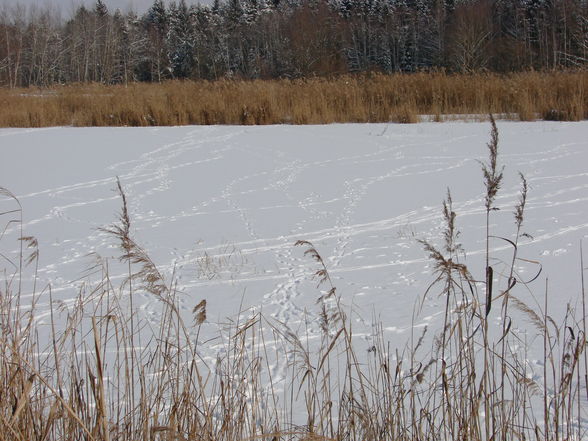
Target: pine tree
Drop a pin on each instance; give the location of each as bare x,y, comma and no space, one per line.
100,9
180,40
155,63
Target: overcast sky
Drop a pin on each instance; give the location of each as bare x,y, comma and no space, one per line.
67,6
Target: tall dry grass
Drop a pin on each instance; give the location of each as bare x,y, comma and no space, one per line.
363,98
105,374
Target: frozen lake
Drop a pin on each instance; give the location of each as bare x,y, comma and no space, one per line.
220,208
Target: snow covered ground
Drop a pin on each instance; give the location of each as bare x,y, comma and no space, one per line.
221,208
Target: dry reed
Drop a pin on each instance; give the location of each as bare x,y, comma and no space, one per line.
374,97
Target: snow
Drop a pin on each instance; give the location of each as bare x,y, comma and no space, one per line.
221,208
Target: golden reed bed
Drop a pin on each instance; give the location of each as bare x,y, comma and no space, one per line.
362,98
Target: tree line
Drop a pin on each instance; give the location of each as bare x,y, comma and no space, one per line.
252,39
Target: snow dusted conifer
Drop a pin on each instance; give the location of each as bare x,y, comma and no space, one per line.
155,63
100,9
180,39
157,16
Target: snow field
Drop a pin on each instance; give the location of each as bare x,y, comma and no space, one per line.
219,209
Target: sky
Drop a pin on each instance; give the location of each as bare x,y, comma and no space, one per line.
66,7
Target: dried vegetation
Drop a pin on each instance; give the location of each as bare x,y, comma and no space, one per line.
374,97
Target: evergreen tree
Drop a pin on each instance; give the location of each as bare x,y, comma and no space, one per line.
180,40
100,9
154,65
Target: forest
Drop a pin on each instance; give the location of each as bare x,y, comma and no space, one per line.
288,39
